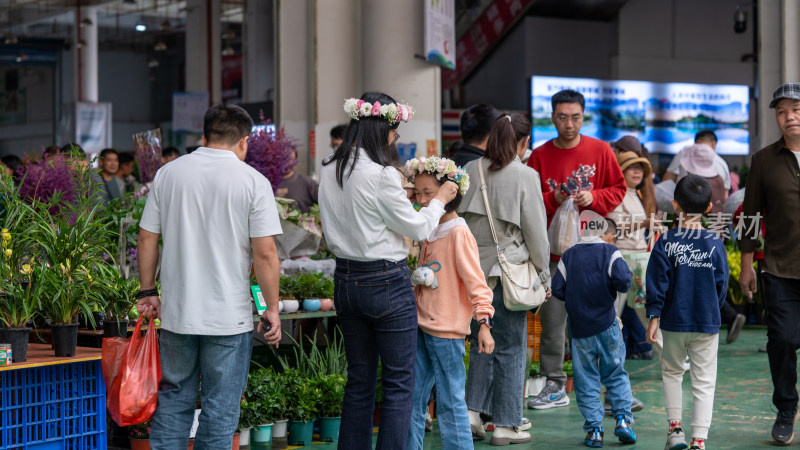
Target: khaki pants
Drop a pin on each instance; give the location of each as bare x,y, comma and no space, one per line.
702,351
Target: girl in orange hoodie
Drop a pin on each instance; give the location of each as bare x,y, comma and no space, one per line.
451,290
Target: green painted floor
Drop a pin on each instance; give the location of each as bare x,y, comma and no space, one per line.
743,411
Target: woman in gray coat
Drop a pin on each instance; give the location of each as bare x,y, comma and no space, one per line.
495,382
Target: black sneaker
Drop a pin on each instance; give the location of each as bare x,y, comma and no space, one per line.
783,429
735,328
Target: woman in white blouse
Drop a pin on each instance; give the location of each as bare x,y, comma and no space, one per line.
365,214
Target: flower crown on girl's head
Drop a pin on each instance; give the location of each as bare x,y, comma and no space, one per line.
393,112
439,167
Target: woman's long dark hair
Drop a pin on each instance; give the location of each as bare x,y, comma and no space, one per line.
507,132
369,133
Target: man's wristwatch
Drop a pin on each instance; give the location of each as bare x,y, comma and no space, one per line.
488,321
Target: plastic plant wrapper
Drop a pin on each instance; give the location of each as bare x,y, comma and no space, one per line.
637,262
148,154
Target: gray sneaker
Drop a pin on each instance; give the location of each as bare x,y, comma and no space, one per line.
551,396
735,328
676,440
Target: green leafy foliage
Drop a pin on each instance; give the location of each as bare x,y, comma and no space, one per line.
303,395
286,287
331,394
264,399
118,293
315,362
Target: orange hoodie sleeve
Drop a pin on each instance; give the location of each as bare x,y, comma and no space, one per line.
471,275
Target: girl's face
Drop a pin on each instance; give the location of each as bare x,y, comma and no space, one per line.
634,175
425,187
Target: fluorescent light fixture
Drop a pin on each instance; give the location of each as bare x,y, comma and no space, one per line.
141,27
160,46
228,50
228,34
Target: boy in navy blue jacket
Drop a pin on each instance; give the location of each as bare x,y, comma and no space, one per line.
588,278
687,279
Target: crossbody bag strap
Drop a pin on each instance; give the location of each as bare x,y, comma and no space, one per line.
486,202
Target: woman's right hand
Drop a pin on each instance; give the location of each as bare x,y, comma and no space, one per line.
447,192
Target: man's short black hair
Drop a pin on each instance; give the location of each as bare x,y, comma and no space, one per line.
170,151
191,148
71,147
705,135
338,131
13,162
108,151
476,123
125,158
568,96
611,226
693,194
226,124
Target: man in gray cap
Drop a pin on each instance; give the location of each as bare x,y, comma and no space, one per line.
773,192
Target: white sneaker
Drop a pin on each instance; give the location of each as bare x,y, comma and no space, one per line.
551,397
509,435
526,424
476,425
676,440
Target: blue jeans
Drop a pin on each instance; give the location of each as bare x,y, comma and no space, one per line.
596,359
440,360
378,315
223,362
496,382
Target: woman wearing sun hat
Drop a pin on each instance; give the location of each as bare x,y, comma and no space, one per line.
698,159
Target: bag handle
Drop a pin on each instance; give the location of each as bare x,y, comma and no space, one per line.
486,203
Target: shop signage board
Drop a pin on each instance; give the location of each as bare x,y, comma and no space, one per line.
188,110
93,126
440,32
663,116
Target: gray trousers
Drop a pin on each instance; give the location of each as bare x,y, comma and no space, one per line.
553,315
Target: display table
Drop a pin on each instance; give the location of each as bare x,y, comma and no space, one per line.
53,403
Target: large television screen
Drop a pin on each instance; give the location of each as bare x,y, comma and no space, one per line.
663,116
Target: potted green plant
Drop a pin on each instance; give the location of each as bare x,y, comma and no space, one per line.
306,287
286,291
324,291
329,406
139,436
568,372
120,298
69,231
253,415
302,399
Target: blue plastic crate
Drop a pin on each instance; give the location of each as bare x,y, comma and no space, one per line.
53,407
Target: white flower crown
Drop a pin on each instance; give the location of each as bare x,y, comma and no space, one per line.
440,167
393,112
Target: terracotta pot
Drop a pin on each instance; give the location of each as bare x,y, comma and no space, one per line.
569,386
326,304
140,444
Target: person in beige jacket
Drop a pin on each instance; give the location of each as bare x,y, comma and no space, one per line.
495,382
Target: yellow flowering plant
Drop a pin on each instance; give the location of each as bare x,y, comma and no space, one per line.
735,294
19,296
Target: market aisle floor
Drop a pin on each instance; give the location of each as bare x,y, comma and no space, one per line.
743,411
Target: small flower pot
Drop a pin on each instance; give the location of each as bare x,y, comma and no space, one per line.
139,444
290,306
262,433
279,439
115,328
569,385
326,304
301,432
311,305
18,338
329,429
280,306
65,339
244,436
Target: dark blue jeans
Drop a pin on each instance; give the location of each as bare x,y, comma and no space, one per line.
377,311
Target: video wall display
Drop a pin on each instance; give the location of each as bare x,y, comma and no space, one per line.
663,116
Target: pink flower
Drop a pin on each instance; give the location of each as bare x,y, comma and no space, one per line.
376,109
358,105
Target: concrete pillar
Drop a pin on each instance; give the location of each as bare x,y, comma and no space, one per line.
203,48
769,68
259,53
791,40
293,91
392,35
338,72
85,66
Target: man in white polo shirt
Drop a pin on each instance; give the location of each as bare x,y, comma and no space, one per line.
215,214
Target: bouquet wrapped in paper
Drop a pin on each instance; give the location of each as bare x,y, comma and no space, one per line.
148,154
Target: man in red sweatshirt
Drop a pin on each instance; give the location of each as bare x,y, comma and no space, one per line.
597,185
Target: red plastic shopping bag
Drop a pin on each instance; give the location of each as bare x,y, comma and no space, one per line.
132,373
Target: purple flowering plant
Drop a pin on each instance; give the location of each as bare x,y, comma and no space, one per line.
52,180
271,153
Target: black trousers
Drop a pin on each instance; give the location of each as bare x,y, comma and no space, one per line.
727,313
782,302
